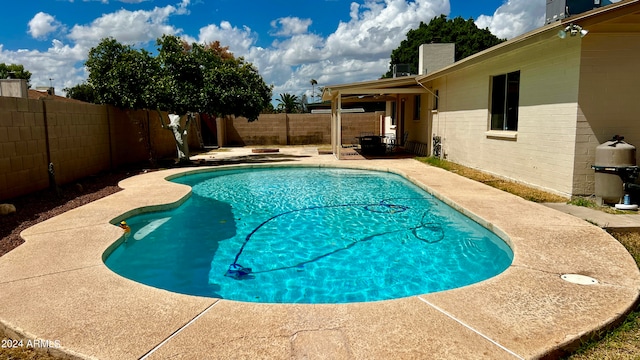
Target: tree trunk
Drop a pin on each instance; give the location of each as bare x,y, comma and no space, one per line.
180,136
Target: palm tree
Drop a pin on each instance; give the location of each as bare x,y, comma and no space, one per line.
313,87
288,102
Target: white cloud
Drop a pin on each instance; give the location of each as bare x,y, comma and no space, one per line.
42,24
289,26
514,18
63,63
130,27
376,28
357,50
290,63
60,63
239,40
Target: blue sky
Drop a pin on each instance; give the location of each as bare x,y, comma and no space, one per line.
290,42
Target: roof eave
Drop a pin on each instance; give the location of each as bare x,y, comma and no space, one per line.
546,31
331,91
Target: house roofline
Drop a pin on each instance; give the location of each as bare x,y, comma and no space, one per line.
331,91
545,32
548,31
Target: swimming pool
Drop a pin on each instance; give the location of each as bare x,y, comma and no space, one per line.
309,235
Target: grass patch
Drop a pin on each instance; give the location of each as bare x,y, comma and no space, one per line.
587,202
581,201
525,192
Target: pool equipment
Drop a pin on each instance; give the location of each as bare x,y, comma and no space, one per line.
616,172
239,272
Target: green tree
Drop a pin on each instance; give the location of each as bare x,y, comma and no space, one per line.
183,79
121,75
469,39
14,71
269,109
289,103
208,79
83,92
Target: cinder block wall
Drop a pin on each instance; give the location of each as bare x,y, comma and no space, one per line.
86,139
306,129
269,129
23,148
78,139
137,136
129,136
354,125
296,129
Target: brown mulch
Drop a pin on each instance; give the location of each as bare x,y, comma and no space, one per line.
40,206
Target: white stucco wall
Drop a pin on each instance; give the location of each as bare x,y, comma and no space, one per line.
542,154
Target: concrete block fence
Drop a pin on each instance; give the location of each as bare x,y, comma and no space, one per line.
297,129
85,139
78,139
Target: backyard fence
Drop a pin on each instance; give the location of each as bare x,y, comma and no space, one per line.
78,139
82,139
297,129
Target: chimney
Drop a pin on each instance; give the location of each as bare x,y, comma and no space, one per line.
14,88
433,57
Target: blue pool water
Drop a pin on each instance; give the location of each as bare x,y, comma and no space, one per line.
309,235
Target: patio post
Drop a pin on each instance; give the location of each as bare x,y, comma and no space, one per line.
336,124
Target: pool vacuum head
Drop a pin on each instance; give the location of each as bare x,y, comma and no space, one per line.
239,272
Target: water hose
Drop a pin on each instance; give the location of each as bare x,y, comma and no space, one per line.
240,272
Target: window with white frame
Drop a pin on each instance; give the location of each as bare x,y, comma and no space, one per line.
505,99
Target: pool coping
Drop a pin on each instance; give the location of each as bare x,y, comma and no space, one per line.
57,289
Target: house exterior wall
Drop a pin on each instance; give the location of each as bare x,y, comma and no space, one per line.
541,153
419,128
608,100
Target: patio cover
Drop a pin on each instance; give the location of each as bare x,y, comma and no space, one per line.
377,90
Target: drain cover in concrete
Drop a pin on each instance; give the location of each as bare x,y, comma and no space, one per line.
579,279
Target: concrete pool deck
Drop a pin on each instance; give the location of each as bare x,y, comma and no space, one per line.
56,288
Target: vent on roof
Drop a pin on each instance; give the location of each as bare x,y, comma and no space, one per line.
401,70
560,9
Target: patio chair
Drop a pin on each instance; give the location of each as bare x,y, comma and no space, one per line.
390,140
392,145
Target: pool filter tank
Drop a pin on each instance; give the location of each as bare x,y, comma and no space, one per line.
615,162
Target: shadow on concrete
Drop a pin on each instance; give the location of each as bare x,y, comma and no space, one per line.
358,154
248,159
